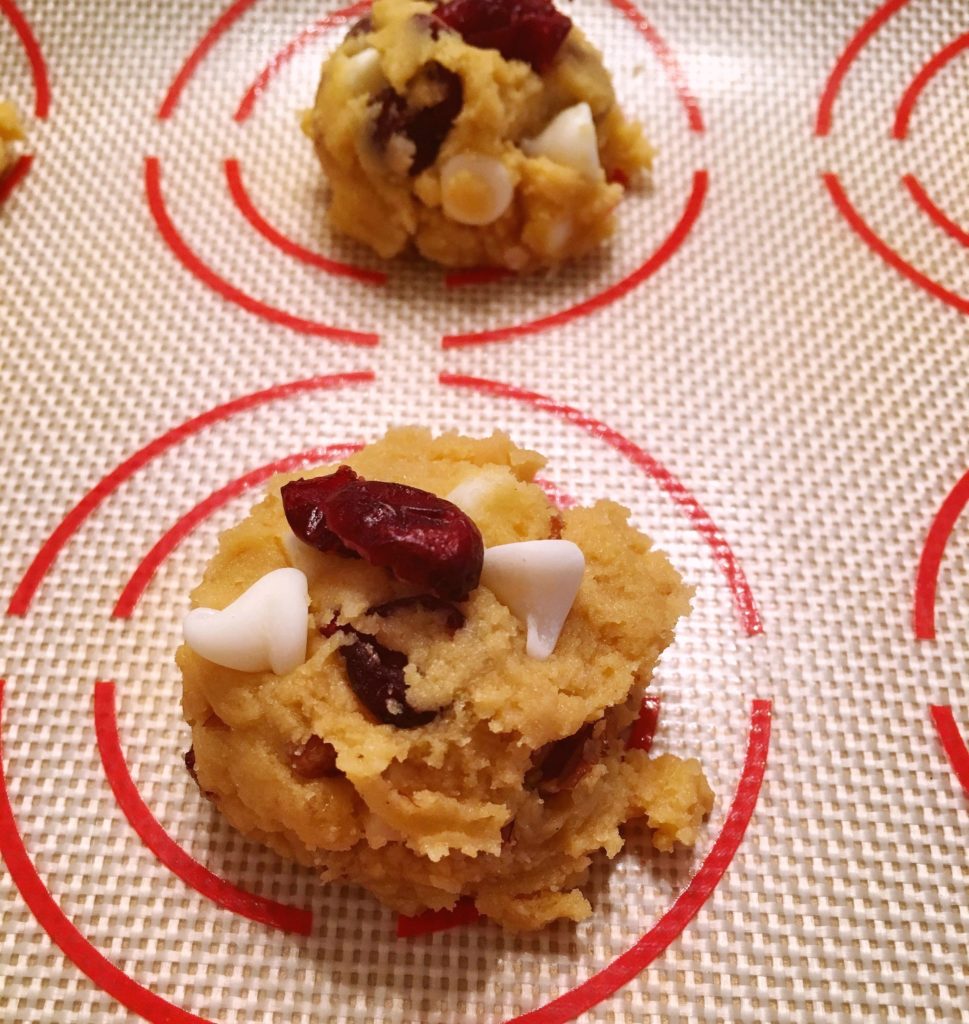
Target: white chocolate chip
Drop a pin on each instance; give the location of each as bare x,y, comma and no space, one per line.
475,493
537,580
362,72
475,189
569,139
264,628
558,235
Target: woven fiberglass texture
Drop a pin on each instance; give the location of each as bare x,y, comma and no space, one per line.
794,351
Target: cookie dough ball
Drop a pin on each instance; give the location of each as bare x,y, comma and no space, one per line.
11,131
391,717
483,132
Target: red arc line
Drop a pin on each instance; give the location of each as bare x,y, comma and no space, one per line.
859,40
69,525
237,189
609,295
286,54
411,927
63,933
190,260
892,258
952,743
221,25
667,59
930,561
195,875
475,275
932,67
148,566
670,926
938,217
698,516
14,176
38,68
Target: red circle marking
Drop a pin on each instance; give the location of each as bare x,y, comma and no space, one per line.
195,875
72,943
69,525
148,566
938,217
38,68
952,743
698,516
858,41
669,927
932,67
187,257
14,176
667,59
888,254
476,275
286,54
608,295
930,561
233,175
221,25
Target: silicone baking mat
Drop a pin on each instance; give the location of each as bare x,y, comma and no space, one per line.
769,366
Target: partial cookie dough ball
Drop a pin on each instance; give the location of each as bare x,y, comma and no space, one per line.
412,743
482,132
11,131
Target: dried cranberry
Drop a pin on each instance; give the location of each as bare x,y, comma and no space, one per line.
558,766
315,759
420,537
190,764
360,27
555,526
453,616
528,30
376,675
303,503
426,127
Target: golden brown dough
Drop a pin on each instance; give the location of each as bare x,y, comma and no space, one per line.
457,807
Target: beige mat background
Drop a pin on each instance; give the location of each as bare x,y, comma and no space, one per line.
813,399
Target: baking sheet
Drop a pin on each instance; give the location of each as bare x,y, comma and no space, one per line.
770,366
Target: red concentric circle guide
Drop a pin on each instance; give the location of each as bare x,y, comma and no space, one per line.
136,997
824,121
349,273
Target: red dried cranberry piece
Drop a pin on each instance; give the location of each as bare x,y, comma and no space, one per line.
360,27
376,675
303,503
420,537
528,30
315,759
426,127
453,616
558,766
189,758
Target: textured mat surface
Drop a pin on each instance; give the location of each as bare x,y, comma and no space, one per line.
770,366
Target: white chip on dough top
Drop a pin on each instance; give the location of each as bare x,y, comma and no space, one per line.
569,139
537,580
263,629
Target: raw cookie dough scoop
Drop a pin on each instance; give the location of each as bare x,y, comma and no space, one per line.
482,132
412,672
